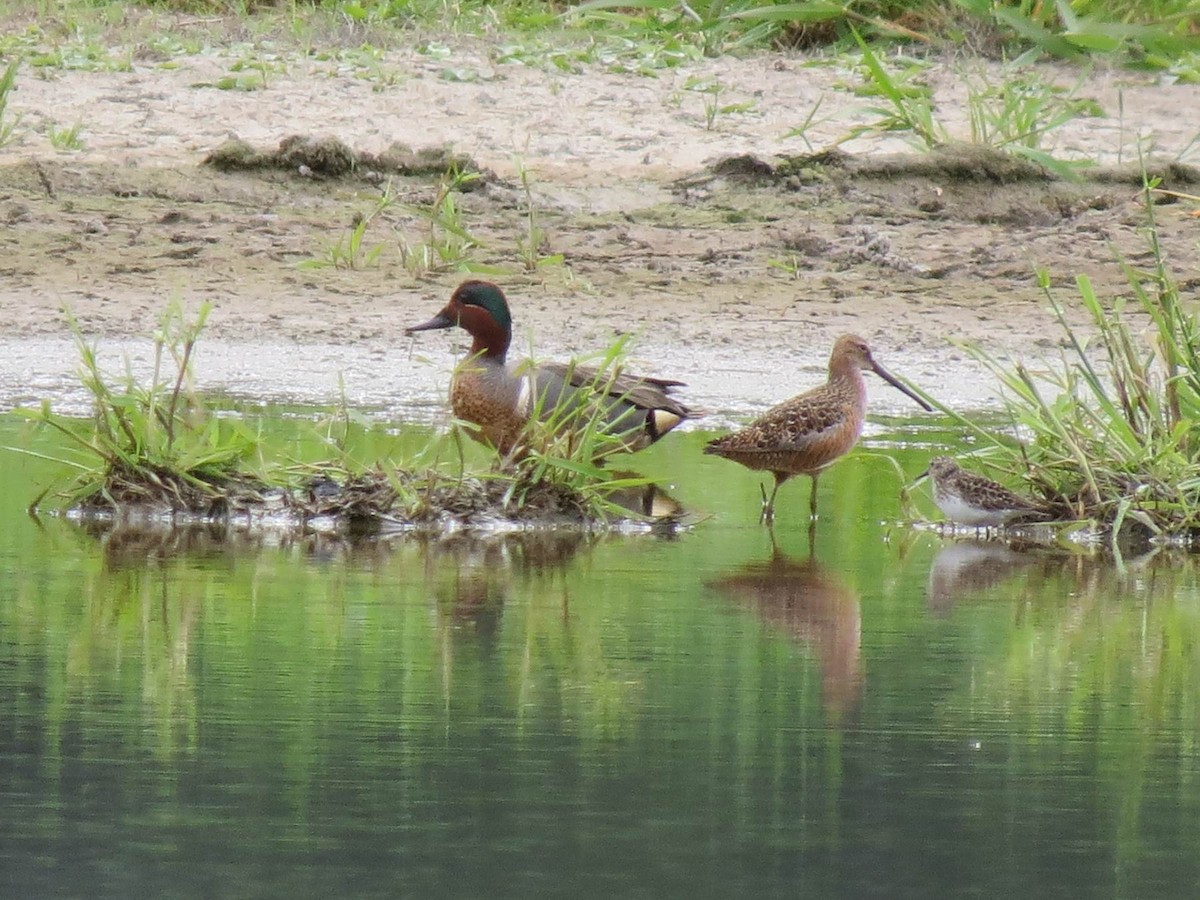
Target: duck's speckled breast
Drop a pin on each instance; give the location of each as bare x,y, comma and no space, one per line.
486,394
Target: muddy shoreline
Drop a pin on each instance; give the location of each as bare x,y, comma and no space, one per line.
733,281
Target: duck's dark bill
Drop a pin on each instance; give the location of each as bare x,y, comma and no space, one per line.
439,321
898,385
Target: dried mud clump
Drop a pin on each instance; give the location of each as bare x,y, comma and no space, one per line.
322,156
952,162
308,156
956,162
477,501
747,167
402,159
327,157
743,166
949,163
1172,174
235,155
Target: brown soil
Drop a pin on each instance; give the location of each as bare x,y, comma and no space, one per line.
737,275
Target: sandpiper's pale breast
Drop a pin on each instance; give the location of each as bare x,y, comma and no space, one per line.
956,509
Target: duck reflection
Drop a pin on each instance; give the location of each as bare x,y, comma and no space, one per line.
649,500
813,606
963,569
479,570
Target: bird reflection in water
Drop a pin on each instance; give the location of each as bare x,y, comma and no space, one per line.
480,569
647,500
963,569
814,607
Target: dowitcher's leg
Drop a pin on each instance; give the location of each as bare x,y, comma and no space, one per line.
768,510
812,499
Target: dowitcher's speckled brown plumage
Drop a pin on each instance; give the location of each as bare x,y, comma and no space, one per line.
803,435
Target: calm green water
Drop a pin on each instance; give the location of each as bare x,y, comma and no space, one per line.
890,716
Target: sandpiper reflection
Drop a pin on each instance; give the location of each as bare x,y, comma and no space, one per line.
963,569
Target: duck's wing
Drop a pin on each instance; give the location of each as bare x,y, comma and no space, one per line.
627,391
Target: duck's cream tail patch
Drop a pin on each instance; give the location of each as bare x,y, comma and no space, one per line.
661,421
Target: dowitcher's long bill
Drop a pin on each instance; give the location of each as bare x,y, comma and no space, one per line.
897,383
803,435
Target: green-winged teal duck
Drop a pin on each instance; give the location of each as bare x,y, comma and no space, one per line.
499,398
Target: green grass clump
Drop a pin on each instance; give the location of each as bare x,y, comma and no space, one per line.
153,445
1013,115
66,137
8,124
1143,32
1113,433
567,444
446,244
152,442
350,251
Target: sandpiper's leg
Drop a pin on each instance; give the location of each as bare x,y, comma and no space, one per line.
812,500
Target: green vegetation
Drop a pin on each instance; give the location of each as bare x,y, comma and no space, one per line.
791,264
1013,115
446,244
348,251
532,246
1019,111
443,241
8,124
67,137
710,91
568,444
629,35
156,443
151,442
1113,432
909,104
261,39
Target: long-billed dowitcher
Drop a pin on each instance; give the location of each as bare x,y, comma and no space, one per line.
970,499
500,399
803,435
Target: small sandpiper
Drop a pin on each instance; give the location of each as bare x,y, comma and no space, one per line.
970,499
